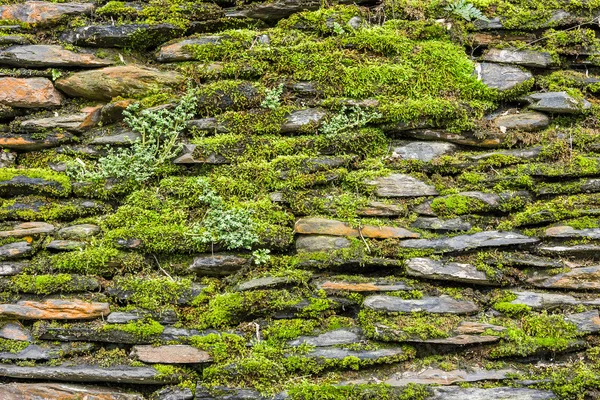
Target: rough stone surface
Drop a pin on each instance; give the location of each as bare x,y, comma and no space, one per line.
569,232
422,151
441,225
54,309
434,376
469,242
79,231
29,93
501,77
443,304
42,56
16,250
498,393
401,185
312,243
29,142
331,338
28,229
449,271
585,278
11,267
42,13
526,58
526,121
15,331
170,354
303,119
177,51
124,35
374,286
557,102
217,264
38,391
322,226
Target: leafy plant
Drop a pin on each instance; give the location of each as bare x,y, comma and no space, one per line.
272,99
465,10
159,132
261,256
345,119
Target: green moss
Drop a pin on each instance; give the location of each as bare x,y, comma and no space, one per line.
397,327
55,184
312,391
41,284
12,346
93,260
511,309
144,329
152,293
117,9
457,204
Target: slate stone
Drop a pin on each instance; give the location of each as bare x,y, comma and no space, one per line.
29,93
16,250
303,120
81,231
78,122
580,250
473,328
36,208
434,376
543,301
401,185
583,278
441,225
23,185
498,393
89,373
176,52
190,156
8,268
313,243
55,309
323,226
44,56
336,353
14,39
226,393
379,209
56,391
7,158
331,338
46,352
208,125
43,13
438,305
273,11
125,35
173,393
459,340
588,321
501,77
491,139
266,282
28,229
526,58
170,354
217,264
125,138
523,154
557,102
333,285
15,331
526,121
569,232
31,142
65,245
469,242
165,317
422,151
526,260
446,271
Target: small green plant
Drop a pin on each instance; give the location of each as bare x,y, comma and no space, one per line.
338,29
348,118
261,256
272,99
55,74
159,133
465,10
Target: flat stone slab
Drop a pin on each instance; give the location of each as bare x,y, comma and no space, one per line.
331,338
475,328
66,245
176,52
262,283
446,271
29,93
313,243
557,102
123,35
301,120
501,77
44,352
322,226
401,185
125,138
579,250
437,305
89,373
441,225
16,250
499,393
217,264
468,242
525,121
55,391
540,301
55,309
584,278
28,229
526,58
43,13
336,353
81,231
422,151
379,209
588,321
361,287
434,376
32,142
459,340
109,82
9,268
43,56
172,354
524,154
77,122
570,232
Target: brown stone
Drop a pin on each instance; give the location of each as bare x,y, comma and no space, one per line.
362,287
14,331
42,55
322,226
469,328
30,142
87,118
29,93
55,309
460,340
42,12
126,80
60,391
173,354
431,376
28,229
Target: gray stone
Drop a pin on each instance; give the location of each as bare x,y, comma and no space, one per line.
378,285
46,352
175,52
570,232
331,338
498,393
189,156
379,209
401,185
66,245
124,35
173,393
314,243
28,229
8,268
526,260
524,154
584,278
422,151
7,158
81,231
43,13
526,121
469,242
14,39
588,321
434,376
208,125
336,353
441,225
459,340
303,120
43,56
124,138
501,77
580,250
24,185
526,58
543,301
78,122
56,391
262,283
446,271
16,250
218,264
89,373
557,102
273,11
227,393
15,331
472,328
438,305
170,354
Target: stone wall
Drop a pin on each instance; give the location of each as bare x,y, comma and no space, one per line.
294,200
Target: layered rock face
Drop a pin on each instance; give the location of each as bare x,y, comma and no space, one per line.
293,200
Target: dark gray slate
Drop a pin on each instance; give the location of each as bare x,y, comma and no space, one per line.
526,58
446,271
331,338
422,151
557,102
499,393
218,264
501,77
437,305
121,35
441,225
588,321
469,242
401,185
16,250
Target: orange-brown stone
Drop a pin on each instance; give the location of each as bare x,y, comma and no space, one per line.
322,226
60,391
42,12
173,354
29,93
55,309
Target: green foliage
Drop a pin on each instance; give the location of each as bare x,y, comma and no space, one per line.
56,184
466,10
272,99
261,256
152,293
347,119
143,328
159,130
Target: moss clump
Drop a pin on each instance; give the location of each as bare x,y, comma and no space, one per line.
311,391
457,204
151,293
93,260
55,184
12,346
402,327
144,329
42,284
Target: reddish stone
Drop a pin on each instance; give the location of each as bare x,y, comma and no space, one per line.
174,354
42,12
322,226
29,93
61,391
55,309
